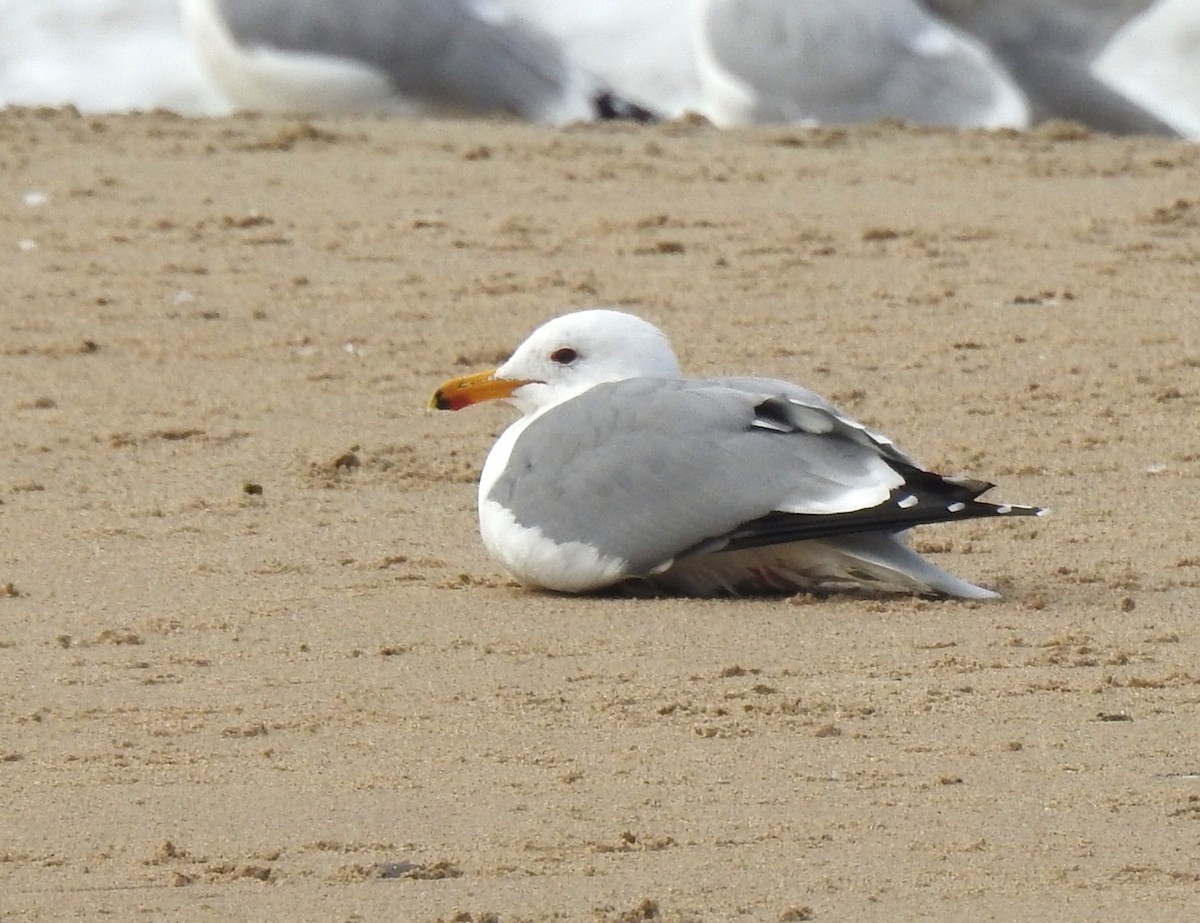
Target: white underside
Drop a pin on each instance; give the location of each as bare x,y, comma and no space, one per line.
536,561
526,552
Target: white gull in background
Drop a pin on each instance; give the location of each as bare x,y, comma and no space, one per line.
621,469
1051,48
405,56
847,61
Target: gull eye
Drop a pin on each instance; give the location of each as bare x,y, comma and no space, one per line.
564,356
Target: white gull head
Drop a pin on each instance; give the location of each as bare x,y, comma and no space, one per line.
570,354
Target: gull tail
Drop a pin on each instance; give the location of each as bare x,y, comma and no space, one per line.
876,561
876,558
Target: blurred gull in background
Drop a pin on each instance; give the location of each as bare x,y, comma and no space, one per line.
1119,66
1050,47
847,61
405,56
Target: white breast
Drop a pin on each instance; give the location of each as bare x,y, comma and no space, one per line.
526,551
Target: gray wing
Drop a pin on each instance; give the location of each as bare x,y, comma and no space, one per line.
1083,27
1049,47
647,470
451,52
855,60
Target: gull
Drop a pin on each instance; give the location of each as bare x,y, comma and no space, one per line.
622,470
401,56
847,61
1053,49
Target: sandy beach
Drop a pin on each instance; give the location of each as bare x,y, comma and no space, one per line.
256,664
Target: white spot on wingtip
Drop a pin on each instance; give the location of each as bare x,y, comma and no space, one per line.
956,507
907,502
1004,508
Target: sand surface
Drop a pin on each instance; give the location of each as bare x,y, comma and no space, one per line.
256,665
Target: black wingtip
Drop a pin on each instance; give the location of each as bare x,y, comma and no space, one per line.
925,498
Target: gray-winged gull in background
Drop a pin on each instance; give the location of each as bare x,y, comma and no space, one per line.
621,469
847,61
392,55
1050,47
